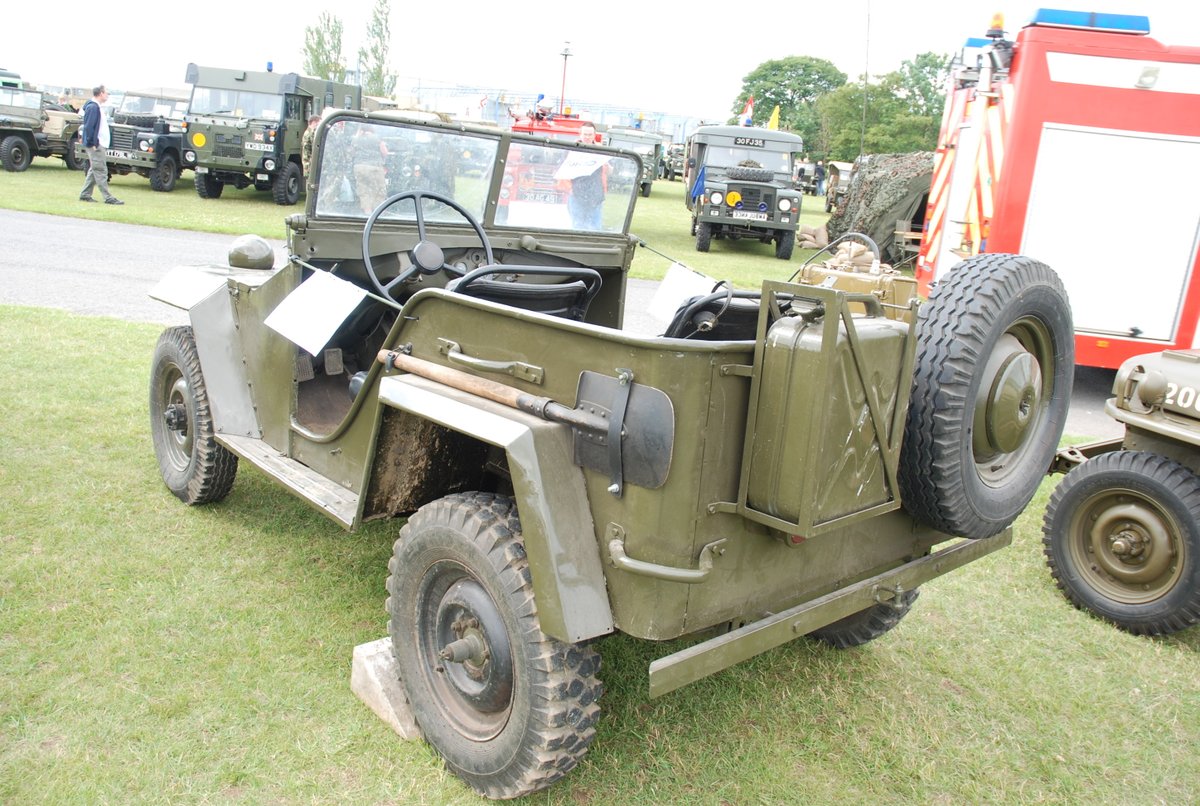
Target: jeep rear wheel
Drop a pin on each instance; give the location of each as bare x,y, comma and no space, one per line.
703,236
1122,538
15,153
74,161
868,624
286,189
208,187
193,465
991,386
509,709
163,176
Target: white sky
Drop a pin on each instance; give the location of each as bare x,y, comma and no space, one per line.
669,57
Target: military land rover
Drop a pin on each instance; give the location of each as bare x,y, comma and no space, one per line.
1122,530
673,161
146,136
789,461
32,127
245,128
647,145
739,185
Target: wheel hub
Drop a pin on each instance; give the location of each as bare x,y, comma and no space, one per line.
474,649
1131,544
1008,405
175,416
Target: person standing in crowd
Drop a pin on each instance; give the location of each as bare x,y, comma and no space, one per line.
819,175
306,144
587,191
95,140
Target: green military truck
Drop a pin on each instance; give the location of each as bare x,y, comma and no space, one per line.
1122,531
146,136
673,161
739,185
791,461
245,128
30,126
647,145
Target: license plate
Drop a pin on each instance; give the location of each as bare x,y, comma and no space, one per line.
201,170
260,147
118,155
750,215
539,198
262,177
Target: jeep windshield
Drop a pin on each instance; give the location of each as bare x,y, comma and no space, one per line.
517,182
235,103
721,157
22,99
153,105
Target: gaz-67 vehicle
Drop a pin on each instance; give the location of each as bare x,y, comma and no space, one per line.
739,185
795,460
245,128
1122,531
146,136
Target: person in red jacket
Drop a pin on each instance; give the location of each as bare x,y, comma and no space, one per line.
95,141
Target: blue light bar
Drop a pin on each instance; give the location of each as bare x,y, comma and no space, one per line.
1092,21
977,42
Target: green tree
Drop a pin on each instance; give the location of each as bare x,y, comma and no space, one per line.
323,48
372,60
794,83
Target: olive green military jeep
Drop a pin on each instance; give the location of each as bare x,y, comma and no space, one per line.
1122,531
31,127
790,461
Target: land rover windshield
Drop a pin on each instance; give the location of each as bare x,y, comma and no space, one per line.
235,103
169,108
514,182
779,162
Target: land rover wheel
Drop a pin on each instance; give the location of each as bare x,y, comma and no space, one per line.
509,709
208,186
646,186
703,236
785,243
193,465
1122,538
867,625
990,390
286,189
163,176
15,153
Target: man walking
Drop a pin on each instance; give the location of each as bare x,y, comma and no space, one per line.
95,141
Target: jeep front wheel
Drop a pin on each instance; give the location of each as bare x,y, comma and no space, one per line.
1122,538
15,153
990,390
509,709
286,189
163,176
193,465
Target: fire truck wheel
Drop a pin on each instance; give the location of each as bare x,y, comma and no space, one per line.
207,187
509,709
703,236
992,382
866,625
1122,538
193,465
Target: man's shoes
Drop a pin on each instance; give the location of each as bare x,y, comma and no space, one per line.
87,199
113,200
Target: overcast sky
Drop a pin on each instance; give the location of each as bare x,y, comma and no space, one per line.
668,57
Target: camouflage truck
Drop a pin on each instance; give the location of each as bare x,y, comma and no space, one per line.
146,136
1122,531
794,460
32,127
647,145
245,128
739,185
673,161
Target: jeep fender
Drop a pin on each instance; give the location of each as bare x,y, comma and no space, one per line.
556,520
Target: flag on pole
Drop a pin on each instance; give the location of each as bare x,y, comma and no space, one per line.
748,112
773,123
698,185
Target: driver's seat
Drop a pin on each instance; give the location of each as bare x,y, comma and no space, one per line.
569,300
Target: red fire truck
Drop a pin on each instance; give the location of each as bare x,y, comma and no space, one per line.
1078,145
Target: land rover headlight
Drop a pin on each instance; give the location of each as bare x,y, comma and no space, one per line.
189,156
269,164
143,145
715,197
785,205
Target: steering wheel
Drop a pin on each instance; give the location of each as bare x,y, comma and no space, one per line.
427,257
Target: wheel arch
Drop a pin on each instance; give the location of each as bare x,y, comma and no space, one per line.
551,497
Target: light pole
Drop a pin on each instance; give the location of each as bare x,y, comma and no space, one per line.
562,93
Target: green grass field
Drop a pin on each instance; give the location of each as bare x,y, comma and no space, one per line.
155,653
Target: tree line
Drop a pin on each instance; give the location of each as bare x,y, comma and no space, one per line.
323,51
903,108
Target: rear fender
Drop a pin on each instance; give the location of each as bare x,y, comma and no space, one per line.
556,520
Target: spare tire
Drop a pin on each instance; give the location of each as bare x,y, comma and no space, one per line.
991,386
745,174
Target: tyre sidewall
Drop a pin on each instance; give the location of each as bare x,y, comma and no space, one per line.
169,359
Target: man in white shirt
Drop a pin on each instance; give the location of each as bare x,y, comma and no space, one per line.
95,140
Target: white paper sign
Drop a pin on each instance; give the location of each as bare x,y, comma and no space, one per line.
310,315
579,164
679,284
